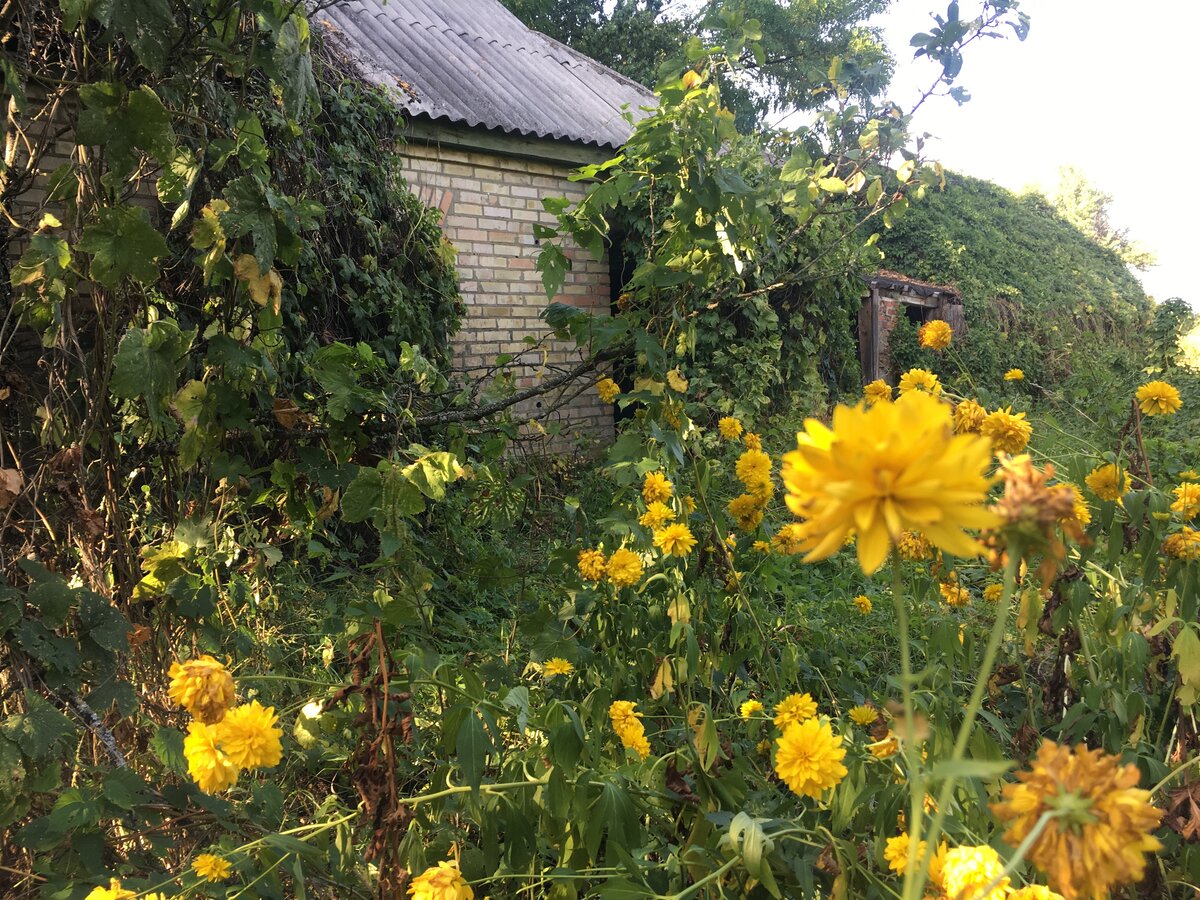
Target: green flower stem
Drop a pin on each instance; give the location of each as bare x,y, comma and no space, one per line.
973,707
694,888
916,779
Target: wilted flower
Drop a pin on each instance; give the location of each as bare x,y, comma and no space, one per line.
1157,398
677,382
1102,825
788,540
935,334
202,686
882,471
752,441
1183,544
746,510
914,547
886,747
954,593
808,758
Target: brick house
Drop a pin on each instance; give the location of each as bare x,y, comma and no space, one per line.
499,115
891,297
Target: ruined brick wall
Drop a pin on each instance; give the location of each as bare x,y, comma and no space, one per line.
489,204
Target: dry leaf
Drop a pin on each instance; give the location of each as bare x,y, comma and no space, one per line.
10,486
287,413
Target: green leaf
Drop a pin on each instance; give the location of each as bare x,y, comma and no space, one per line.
875,191
472,746
148,26
832,185
1186,652
167,745
251,213
611,812
123,243
363,495
103,623
148,363
432,472
970,768
293,70
125,123
554,265
38,730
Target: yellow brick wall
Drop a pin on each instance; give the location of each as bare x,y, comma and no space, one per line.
489,204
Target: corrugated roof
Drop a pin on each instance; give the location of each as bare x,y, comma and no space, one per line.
472,62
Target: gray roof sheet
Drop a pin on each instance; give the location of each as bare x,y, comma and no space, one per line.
472,62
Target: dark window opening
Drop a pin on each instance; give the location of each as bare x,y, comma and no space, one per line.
916,314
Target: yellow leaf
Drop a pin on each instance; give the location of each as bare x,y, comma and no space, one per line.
679,610
49,220
664,679
265,287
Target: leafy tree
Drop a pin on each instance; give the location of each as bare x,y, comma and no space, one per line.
1088,208
793,45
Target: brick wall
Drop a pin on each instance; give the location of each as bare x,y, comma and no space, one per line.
489,203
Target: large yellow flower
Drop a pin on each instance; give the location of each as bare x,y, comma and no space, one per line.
863,715
878,391
1157,398
919,380
441,882
249,736
967,872
657,515
675,540
808,758
954,593
557,666
211,868
968,417
624,568
114,891
914,547
746,510
794,708
750,708
1008,431
1187,500
590,564
1108,482
935,334
730,428
203,687
1103,823
1183,544
656,487
627,723
208,764
1035,892
608,390
882,471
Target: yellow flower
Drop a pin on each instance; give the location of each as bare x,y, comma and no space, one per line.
914,547
624,568
1187,500
751,708
557,666
746,510
919,380
1014,375
1008,431
1109,482
760,547
882,471
249,737
954,593
209,765
878,391
809,757
754,471
794,708
114,891
730,428
935,334
675,540
441,882
203,687
1103,829
788,540
993,592
628,726
211,868
752,441
887,747
1080,513
657,515
1189,475
1157,398
863,715
968,871
608,390
896,852
676,380
1183,544
969,417
656,487
862,603
1035,892
689,504
590,564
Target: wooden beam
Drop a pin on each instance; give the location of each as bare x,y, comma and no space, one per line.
488,141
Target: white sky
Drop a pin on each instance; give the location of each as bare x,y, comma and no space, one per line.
1105,85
